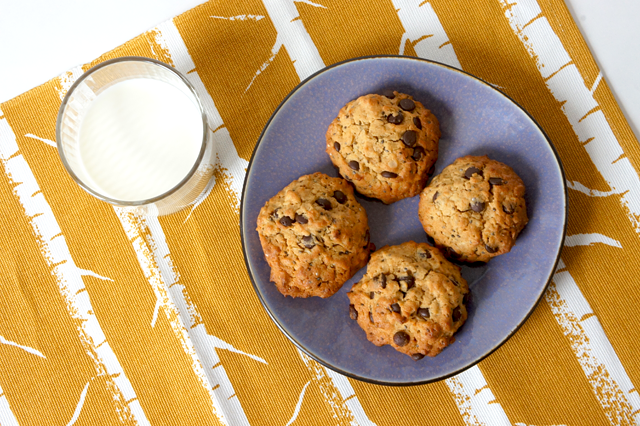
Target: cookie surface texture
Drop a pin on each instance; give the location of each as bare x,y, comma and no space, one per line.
315,236
385,145
474,209
411,298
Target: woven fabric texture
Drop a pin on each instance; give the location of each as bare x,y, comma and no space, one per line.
111,318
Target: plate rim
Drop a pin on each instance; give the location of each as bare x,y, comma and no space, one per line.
506,338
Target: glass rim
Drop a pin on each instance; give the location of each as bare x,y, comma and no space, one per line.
114,201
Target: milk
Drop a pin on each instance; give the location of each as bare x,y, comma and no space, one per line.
139,139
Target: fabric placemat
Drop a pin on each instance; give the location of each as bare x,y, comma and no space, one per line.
110,318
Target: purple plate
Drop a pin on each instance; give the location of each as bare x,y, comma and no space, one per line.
475,119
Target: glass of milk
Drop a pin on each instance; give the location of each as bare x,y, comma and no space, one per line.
132,132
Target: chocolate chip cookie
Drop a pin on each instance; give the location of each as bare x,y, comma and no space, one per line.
411,298
386,145
474,209
315,236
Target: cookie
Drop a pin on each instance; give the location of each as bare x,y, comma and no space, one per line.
474,209
385,145
315,236
411,298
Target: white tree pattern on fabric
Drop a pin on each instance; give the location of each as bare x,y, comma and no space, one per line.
47,141
78,410
296,411
149,244
589,240
4,341
524,424
240,17
291,34
7,418
579,106
475,400
599,361
56,254
577,186
349,397
338,393
423,29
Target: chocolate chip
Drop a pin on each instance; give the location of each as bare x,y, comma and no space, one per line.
367,236
411,282
371,294
431,170
354,165
301,219
274,214
417,122
401,338
407,104
435,196
409,138
371,318
508,209
372,247
340,197
477,206
324,203
336,146
286,221
471,171
381,280
395,308
455,282
424,313
491,249
418,152
456,314
388,93
353,314
417,357
424,254
396,119
389,175
496,181
308,242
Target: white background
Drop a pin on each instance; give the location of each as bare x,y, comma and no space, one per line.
40,39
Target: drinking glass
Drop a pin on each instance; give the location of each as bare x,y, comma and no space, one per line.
79,99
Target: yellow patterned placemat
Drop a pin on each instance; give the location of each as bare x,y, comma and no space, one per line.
109,318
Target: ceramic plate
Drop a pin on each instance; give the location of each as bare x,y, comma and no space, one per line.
475,119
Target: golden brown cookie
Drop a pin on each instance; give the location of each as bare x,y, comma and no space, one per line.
411,298
315,236
474,209
385,145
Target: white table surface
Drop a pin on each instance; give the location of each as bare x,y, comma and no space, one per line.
40,39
